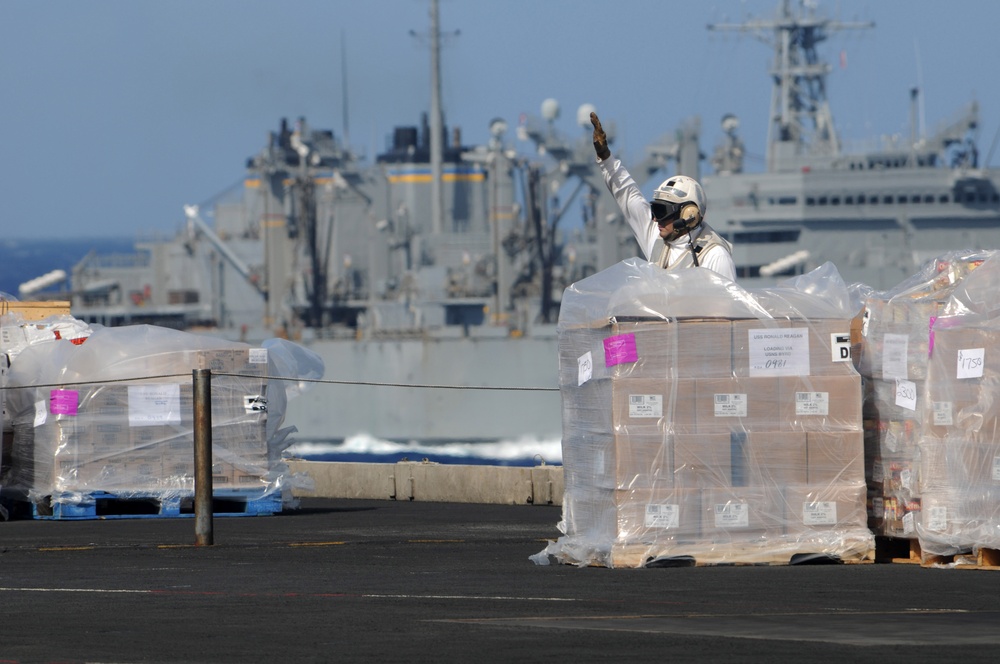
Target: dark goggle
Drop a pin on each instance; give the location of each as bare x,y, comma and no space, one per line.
665,211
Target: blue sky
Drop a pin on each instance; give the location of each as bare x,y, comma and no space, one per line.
116,113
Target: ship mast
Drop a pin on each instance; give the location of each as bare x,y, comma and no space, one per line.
800,123
437,142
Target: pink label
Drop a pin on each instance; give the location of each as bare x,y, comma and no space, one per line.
63,402
620,349
930,339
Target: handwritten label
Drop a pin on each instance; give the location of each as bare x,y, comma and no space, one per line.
663,516
154,405
585,368
620,349
895,348
41,413
971,362
779,352
906,394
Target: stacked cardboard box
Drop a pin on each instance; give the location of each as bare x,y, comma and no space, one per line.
726,440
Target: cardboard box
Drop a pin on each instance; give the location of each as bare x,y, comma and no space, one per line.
826,507
741,514
644,461
703,460
704,348
648,406
821,403
658,515
835,458
738,404
32,311
771,459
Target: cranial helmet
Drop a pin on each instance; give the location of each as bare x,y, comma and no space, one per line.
676,192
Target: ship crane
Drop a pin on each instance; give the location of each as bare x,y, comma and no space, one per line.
196,225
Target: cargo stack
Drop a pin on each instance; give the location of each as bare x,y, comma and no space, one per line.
910,409
118,427
707,439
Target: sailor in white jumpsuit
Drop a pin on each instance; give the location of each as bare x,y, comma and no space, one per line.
675,216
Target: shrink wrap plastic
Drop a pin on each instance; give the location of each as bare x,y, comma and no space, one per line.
931,365
114,414
707,423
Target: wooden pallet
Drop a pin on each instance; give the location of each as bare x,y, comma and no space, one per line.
982,559
736,554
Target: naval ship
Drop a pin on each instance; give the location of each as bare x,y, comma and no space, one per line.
429,280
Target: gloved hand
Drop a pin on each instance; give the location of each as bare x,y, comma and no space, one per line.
600,138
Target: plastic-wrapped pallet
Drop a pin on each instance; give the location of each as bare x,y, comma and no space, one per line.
708,423
114,415
917,414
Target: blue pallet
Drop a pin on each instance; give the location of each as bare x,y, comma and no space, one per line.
152,505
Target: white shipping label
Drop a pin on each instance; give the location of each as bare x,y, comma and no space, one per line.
908,523
905,478
585,368
894,352
732,515
258,356
937,518
779,352
812,403
730,405
942,413
41,412
840,347
970,362
154,405
906,394
821,513
996,469
663,516
645,406
878,472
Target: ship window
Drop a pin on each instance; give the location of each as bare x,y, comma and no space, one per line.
915,198
873,200
929,198
788,200
970,198
848,200
835,200
822,200
887,199
810,200
943,198
861,199
765,237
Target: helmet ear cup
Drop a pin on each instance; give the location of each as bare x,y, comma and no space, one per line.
689,218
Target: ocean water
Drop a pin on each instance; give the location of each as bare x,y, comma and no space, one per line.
367,449
24,259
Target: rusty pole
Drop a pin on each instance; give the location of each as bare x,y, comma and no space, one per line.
203,457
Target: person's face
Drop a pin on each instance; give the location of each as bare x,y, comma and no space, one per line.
666,227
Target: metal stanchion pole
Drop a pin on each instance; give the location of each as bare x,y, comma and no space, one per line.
203,457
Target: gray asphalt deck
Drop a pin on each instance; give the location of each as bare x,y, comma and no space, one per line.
342,580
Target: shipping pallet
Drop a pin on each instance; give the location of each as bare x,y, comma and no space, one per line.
898,550
146,505
735,556
983,559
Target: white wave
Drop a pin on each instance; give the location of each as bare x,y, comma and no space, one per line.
549,451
